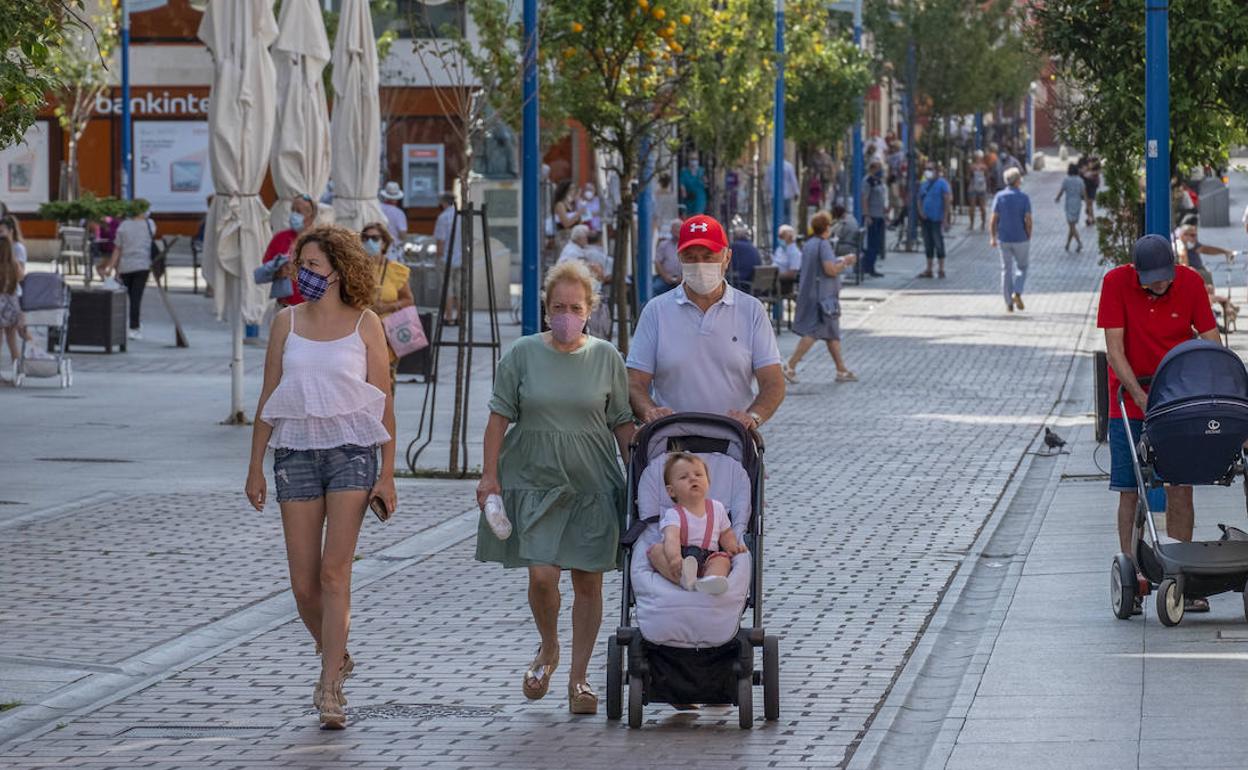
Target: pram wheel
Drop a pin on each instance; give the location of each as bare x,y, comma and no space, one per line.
1245,595
745,702
1122,586
635,704
615,679
1169,603
771,678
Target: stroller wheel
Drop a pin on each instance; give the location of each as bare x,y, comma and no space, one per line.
745,702
1122,586
771,678
615,679
635,705
1169,603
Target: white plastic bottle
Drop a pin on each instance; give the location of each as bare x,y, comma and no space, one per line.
496,517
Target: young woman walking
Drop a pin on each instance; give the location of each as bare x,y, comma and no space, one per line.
325,409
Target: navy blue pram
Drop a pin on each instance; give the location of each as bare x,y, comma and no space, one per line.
1194,431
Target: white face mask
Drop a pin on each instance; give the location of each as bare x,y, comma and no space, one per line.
929,175
702,277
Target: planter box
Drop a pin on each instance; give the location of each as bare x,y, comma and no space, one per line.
97,319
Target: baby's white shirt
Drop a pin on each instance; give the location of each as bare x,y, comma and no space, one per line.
718,520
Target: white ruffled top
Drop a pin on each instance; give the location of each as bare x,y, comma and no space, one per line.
324,399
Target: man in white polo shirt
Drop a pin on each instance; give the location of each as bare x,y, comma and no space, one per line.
701,346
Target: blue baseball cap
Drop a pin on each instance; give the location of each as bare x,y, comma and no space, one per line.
1153,259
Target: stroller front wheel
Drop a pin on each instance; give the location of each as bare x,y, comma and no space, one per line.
635,701
1169,603
615,679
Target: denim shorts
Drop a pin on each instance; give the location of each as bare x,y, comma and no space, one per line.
309,474
1121,472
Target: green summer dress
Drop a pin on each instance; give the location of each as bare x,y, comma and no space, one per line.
563,487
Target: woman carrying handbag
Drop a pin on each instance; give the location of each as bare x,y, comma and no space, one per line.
394,293
818,315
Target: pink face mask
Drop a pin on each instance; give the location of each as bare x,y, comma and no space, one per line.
566,327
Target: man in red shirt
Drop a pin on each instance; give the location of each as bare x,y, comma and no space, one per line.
1146,309
302,219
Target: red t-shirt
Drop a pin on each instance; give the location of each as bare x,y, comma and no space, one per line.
284,243
1151,325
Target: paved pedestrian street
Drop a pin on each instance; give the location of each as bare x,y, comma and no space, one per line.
147,623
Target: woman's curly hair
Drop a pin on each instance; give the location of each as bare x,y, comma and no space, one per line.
357,272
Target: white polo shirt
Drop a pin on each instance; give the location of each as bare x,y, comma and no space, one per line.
703,362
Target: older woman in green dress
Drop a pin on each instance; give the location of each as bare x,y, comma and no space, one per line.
565,396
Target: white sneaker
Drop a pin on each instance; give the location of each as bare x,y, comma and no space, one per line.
135,334
111,284
496,517
712,584
688,573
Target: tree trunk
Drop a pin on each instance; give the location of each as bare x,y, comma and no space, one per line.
70,193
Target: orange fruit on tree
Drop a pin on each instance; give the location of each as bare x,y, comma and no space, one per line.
660,14
686,19
577,27
569,52
643,4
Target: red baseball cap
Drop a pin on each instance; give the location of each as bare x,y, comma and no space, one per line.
701,230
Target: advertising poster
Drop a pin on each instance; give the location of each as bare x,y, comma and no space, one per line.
171,164
424,167
24,171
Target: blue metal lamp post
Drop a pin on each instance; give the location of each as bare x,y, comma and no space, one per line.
777,175
530,230
1157,117
127,154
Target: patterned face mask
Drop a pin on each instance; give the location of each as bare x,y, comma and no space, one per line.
312,285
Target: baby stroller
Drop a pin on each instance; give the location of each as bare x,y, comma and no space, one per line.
1194,432
45,303
687,646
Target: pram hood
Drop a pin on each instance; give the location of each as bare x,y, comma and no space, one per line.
44,291
1197,369
696,432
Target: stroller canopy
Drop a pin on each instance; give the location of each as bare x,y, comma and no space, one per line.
1198,369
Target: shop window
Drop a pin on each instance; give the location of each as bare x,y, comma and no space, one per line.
430,18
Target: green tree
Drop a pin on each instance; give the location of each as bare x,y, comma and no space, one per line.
1097,52
726,101
969,55
618,71
30,33
81,68
825,76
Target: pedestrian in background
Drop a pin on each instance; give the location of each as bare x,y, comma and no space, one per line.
1011,231
692,182
132,261
302,219
396,219
874,200
935,207
566,214
818,315
1091,166
666,261
12,323
977,191
559,424
11,233
787,256
745,258
448,234
393,290
1075,191
325,409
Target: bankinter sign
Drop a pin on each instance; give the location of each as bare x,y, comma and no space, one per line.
151,103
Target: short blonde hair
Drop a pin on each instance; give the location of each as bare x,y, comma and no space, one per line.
572,271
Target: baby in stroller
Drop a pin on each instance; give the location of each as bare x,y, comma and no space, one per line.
695,519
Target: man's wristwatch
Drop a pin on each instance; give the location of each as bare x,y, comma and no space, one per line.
758,419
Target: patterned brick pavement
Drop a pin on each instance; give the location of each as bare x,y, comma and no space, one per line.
876,490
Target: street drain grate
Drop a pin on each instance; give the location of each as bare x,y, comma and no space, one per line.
418,712
195,731
11,502
81,460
